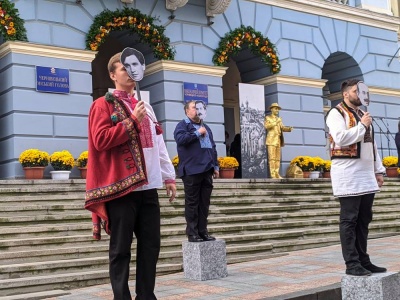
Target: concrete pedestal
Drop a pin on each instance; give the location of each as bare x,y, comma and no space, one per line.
379,286
205,260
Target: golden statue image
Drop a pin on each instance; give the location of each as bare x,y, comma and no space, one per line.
274,141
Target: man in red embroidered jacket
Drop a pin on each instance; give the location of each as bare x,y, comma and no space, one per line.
127,163
357,174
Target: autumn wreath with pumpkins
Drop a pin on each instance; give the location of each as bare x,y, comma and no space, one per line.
11,25
134,21
235,40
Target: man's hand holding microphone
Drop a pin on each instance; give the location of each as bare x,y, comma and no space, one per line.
202,130
366,119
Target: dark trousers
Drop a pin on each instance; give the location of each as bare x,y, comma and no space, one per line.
355,216
198,190
139,213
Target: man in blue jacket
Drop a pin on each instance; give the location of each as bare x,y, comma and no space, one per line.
198,165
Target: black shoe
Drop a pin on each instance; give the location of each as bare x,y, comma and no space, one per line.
358,271
195,239
374,269
206,237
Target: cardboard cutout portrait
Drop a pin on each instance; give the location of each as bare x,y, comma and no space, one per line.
363,93
201,108
134,63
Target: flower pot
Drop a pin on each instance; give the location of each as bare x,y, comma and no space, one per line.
314,174
306,174
60,175
326,174
392,172
227,173
34,172
83,172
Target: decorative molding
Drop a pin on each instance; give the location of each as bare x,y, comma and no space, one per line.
291,80
175,66
216,7
334,96
338,11
174,4
46,51
372,90
384,91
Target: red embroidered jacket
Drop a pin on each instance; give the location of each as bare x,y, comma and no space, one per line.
116,163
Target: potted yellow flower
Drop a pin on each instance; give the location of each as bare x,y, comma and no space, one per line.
318,165
175,162
62,162
326,168
390,163
305,163
81,163
34,161
227,166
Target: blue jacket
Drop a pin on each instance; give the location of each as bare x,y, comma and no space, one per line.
197,154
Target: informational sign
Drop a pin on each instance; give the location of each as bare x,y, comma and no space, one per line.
52,80
252,131
195,91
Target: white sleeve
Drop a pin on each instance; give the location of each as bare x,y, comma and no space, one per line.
342,136
167,168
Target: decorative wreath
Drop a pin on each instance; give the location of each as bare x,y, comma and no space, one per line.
233,41
11,25
133,20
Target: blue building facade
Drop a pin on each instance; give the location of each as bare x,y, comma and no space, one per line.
319,44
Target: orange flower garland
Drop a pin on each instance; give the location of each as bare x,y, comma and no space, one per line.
11,25
134,21
233,42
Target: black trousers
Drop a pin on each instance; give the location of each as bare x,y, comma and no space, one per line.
139,213
355,216
198,189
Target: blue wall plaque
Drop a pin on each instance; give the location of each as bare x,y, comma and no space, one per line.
52,80
195,91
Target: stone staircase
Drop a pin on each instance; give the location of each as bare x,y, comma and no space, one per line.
46,242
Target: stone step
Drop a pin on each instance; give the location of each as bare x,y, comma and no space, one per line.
68,280
78,279
178,223
42,198
38,295
48,218
26,269
256,217
66,212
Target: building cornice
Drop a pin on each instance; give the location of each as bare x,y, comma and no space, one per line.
46,51
384,91
334,96
372,90
291,80
175,66
338,11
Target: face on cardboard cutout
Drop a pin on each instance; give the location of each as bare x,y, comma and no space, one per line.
133,61
201,109
363,93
